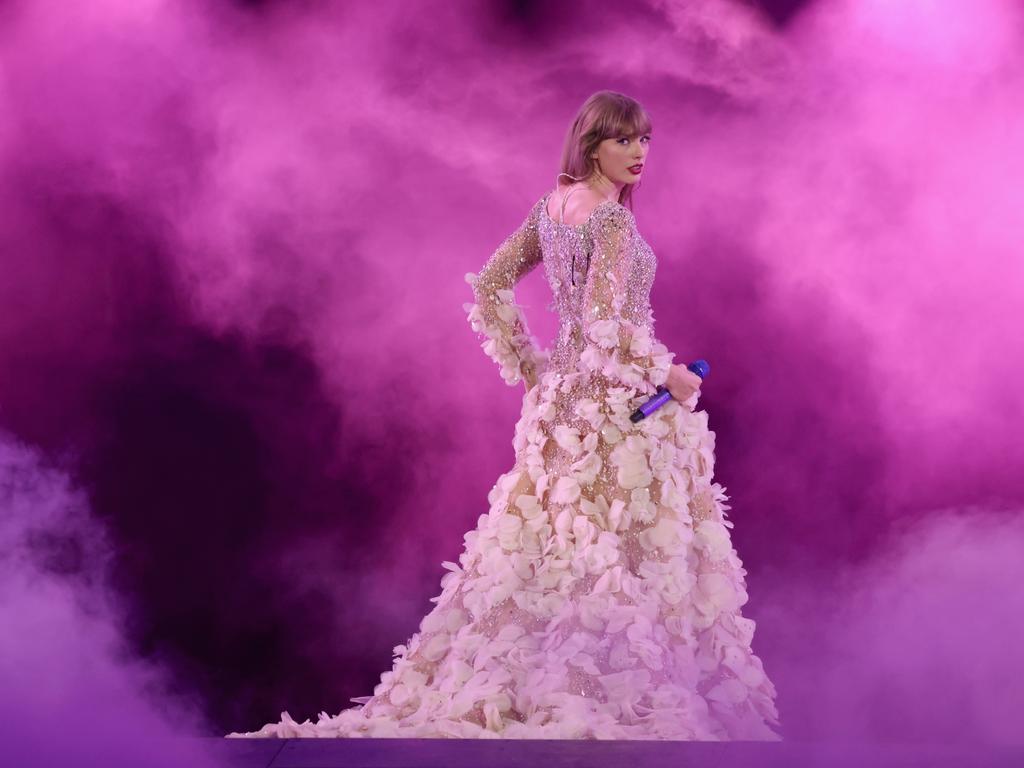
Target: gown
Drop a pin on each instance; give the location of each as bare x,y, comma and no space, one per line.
599,597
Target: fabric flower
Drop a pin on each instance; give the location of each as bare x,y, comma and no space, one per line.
713,538
670,495
662,535
590,411
509,529
436,646
669,580
540,485
621,616
640,341
663,452
601,554
583,531
604,333
619,517
604,515
534,514
641,507
585,469
593,609
566,491
611,434
719,593
739,661
546,411
729,691
631,460
625,689
610,581
568,438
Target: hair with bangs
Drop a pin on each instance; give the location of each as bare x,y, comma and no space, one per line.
605,115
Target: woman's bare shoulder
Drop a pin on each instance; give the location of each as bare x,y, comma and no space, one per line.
579,204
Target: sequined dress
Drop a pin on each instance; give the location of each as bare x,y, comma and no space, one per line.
600,596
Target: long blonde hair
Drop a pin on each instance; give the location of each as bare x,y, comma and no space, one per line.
604,115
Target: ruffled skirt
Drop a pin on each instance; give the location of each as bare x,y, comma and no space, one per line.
598,598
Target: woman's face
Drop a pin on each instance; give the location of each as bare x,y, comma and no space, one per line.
619,156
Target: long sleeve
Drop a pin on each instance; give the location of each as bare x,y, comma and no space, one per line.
495,316
624,352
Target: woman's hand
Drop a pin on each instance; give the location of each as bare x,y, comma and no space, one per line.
682,383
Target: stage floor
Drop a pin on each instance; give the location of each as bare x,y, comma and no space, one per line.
500,753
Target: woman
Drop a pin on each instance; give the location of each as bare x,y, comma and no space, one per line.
600,597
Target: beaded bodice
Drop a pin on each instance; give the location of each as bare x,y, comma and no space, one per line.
567,250
600,273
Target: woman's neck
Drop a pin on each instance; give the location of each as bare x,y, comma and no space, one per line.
602,186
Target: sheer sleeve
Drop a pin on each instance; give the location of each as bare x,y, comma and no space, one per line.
626,353
495,316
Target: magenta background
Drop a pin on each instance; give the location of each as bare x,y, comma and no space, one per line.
243,418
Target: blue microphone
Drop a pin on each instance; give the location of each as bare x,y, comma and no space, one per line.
700,367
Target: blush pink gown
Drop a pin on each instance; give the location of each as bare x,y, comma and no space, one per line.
600,596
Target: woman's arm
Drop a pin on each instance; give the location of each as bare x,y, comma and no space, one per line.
496,317
617,349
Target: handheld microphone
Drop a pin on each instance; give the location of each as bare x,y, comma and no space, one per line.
700,367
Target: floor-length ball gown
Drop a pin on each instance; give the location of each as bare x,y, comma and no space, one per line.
600,596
